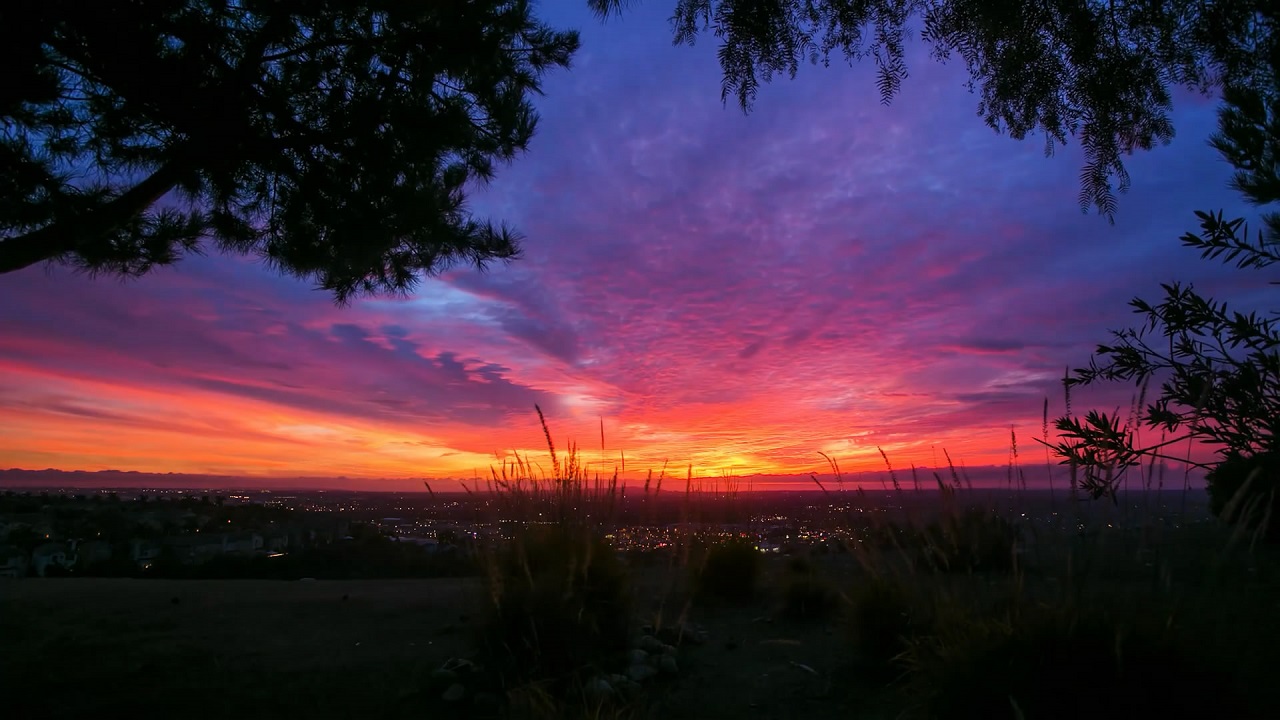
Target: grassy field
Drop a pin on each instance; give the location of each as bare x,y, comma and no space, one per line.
89,647
351,649
243,648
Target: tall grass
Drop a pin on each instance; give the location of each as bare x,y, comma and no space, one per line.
973,609
558,604
954,603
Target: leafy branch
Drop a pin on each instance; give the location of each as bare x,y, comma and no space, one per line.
1218,369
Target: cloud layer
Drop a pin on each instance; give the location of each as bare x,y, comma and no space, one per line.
730,292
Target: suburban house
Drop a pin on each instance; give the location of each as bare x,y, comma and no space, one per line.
431,545
243,543
195,549
54,554
278,542
13,562
94,551
144,552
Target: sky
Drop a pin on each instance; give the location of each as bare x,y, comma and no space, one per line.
720,293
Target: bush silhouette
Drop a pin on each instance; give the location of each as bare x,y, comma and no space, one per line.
560,604
1055,664
806,594
730,571
881,620
1256,481
969,542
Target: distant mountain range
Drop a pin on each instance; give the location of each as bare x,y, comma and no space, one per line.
15,477
1037,477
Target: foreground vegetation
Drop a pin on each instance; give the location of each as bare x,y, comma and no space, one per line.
966,611
1123,624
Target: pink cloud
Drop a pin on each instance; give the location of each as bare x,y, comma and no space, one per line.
736,293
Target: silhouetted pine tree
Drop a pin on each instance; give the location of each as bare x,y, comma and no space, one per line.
333,139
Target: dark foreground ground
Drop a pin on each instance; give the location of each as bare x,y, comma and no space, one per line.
83,648
78,648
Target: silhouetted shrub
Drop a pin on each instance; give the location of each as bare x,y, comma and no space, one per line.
806,594
969,542
1059,664
801,565
730,571
1257,503
881,620
559,604
54,570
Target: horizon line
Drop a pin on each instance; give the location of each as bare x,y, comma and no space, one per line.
987,477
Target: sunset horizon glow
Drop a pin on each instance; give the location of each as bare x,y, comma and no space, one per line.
715,294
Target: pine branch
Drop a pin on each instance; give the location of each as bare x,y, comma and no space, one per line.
70,235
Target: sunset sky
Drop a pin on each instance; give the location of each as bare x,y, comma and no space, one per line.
732,293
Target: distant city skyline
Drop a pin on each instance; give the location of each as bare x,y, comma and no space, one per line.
732,294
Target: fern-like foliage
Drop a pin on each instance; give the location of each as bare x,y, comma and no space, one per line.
1229,240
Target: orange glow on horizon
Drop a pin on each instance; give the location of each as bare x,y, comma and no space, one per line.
729,294
112,426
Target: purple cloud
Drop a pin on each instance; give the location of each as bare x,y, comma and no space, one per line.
734,291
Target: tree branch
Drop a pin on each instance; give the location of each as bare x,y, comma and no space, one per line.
69,235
